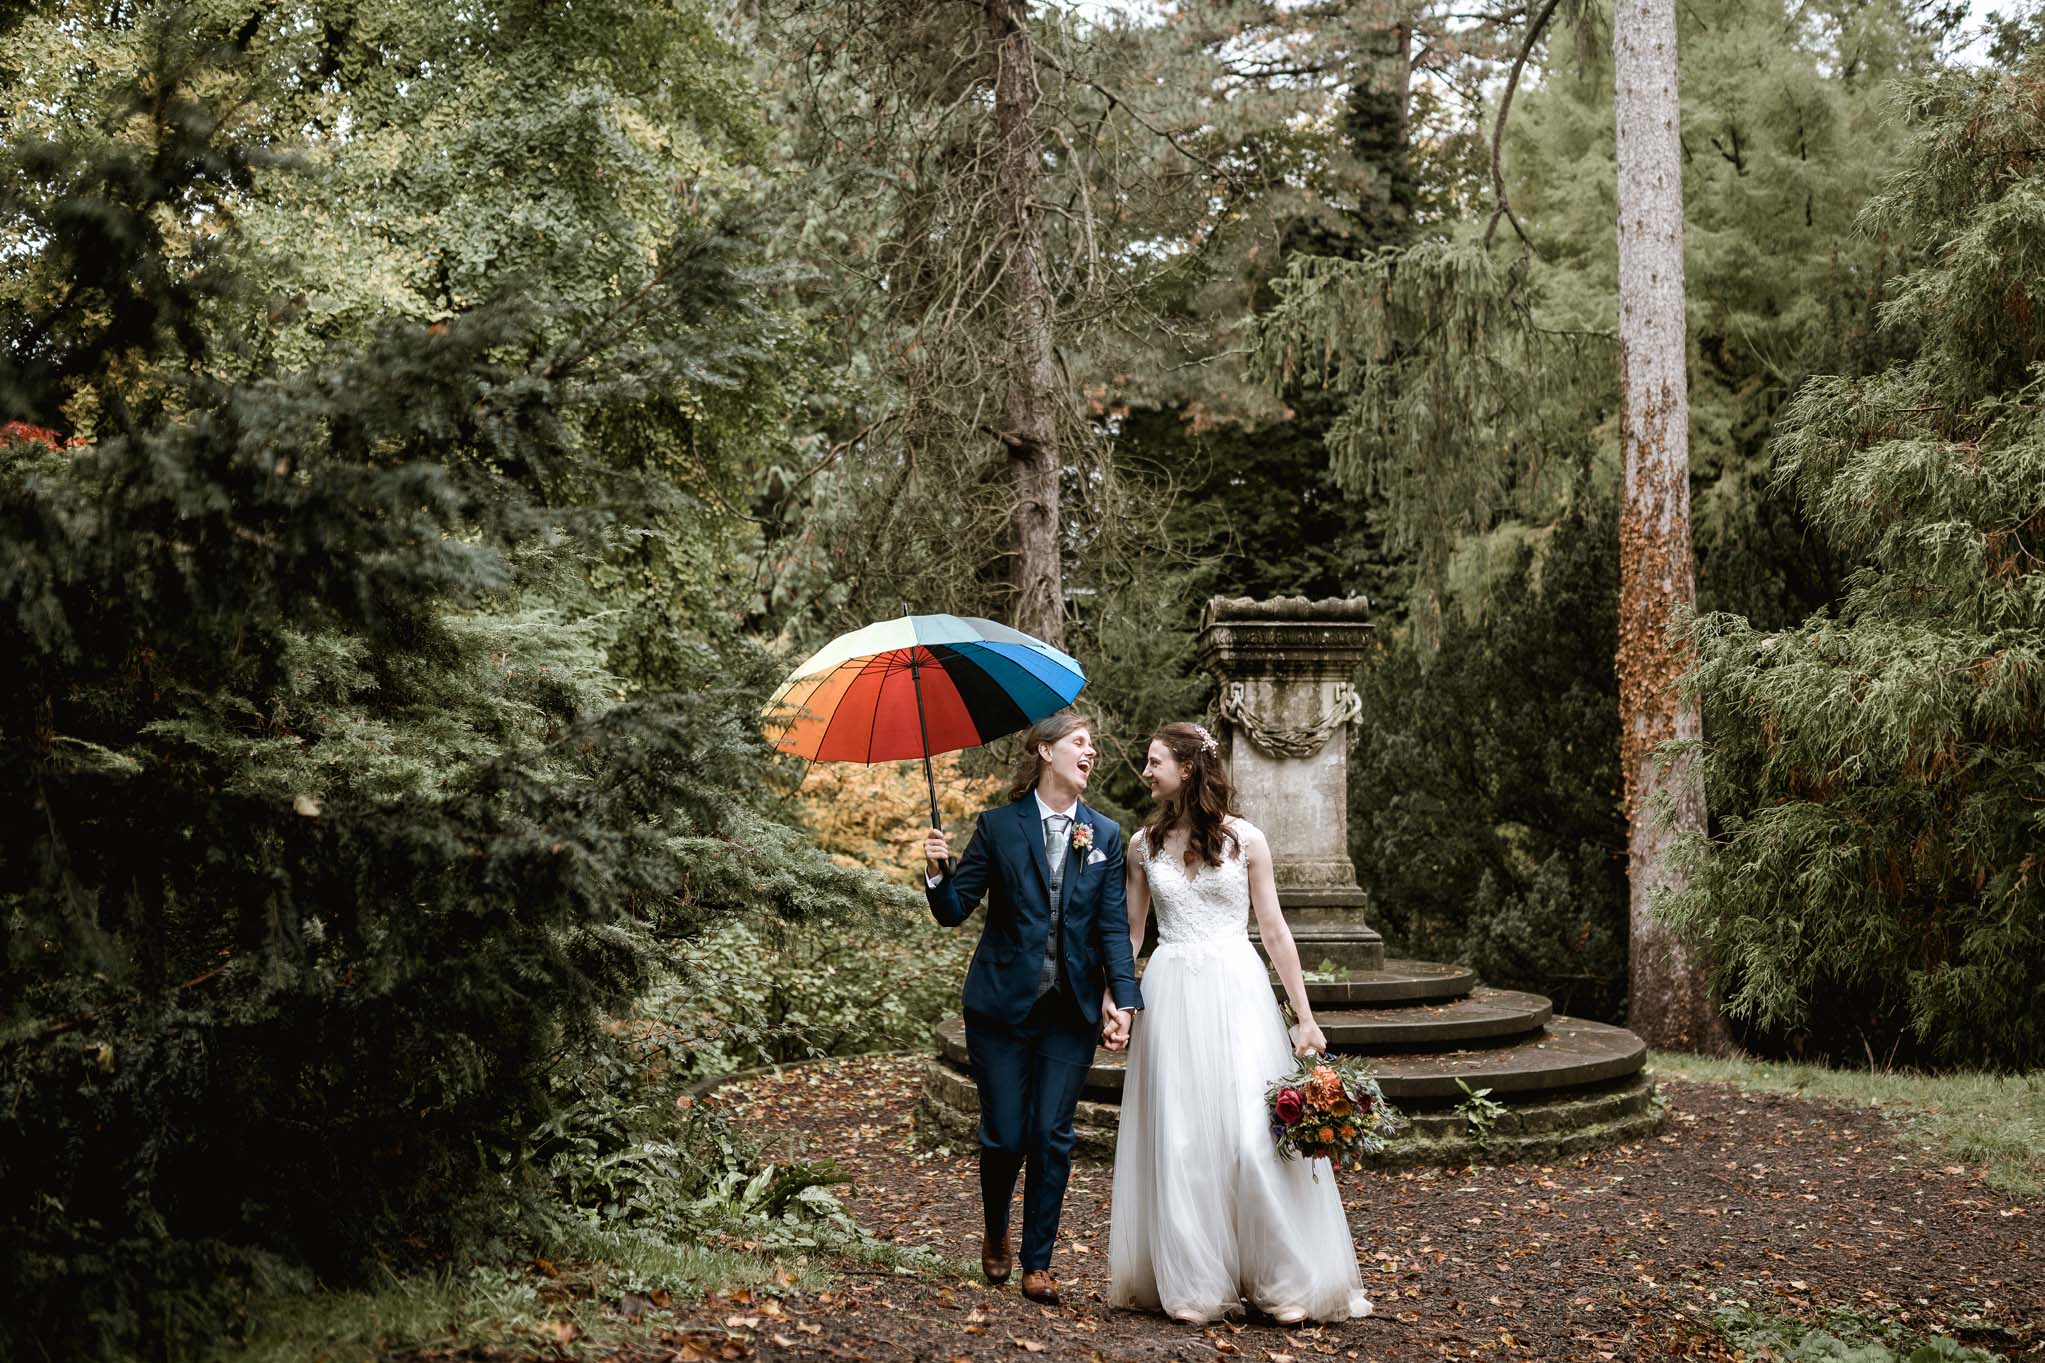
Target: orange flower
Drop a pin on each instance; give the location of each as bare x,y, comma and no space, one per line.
1348,1131
1326,1135
1323,1087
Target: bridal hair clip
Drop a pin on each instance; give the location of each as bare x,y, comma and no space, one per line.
1207,743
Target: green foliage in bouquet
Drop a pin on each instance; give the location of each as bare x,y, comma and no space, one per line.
1331,1108
1875,885
330,830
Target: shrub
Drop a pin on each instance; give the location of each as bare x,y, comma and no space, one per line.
1484,814
1873,888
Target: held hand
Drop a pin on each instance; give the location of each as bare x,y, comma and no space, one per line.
1308,1039
936,851
1114,1026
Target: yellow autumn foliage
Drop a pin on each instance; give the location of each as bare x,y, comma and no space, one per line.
875,815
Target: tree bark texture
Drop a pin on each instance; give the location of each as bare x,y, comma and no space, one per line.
1380,113
1030,414
1670,1003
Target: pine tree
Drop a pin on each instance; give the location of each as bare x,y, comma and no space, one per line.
1874,888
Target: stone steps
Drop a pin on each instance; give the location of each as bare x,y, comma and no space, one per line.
1567,1053
1617,1100
1552,1127
1426,1030
1396,984
1481,1016
1536,1147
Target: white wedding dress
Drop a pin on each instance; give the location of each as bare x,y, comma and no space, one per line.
1207,1214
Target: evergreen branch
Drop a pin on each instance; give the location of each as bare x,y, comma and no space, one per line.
59,1028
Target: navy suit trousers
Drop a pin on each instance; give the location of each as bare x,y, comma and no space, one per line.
1029,1075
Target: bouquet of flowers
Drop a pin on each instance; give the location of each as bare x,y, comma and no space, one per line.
1330,1109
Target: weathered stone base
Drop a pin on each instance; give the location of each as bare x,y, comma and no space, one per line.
1549,1128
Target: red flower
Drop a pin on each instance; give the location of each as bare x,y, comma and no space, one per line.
1289,1105
22,432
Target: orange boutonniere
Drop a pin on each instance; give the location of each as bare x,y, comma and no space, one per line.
1082,837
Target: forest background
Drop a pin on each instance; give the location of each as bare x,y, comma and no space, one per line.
436,426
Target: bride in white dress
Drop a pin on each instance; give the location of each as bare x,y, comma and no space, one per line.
1207,1214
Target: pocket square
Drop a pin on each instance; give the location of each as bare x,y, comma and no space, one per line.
1095,857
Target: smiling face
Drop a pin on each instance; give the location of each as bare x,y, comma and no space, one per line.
1163,773
1071,758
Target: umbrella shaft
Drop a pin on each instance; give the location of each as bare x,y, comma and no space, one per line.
923,730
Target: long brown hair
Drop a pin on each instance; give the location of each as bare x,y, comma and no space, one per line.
1049,729
1203,805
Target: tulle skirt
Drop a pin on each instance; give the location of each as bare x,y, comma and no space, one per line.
1207,1215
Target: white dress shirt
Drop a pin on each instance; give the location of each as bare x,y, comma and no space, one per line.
1045,811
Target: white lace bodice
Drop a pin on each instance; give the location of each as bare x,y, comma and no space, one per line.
1207,904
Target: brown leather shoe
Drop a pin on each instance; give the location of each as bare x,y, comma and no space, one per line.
995,1260
1039,1285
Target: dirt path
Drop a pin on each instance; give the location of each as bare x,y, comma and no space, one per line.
1793,1207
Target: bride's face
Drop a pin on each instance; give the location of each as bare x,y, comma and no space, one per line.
1162,772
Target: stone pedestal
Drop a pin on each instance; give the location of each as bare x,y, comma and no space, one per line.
1286,704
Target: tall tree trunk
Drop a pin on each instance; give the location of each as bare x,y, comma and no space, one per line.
1670,1004
1379,109
1031,407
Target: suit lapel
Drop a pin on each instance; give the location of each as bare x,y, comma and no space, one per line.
1075,862
1032,831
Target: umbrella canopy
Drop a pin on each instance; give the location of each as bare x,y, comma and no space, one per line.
918,685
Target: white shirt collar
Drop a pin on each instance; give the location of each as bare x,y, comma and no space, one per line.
1045,811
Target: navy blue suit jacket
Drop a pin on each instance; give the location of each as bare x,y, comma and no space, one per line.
1004,864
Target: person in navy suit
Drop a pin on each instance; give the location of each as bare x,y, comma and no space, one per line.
1053,975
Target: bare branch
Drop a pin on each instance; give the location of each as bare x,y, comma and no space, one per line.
1512,81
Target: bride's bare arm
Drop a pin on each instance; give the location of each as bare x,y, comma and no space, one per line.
1277,937
1136,889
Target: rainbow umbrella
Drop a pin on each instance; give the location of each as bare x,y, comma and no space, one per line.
919,685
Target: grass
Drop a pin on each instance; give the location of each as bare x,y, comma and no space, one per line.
568,1304
1844,1337
1994,1121
521,1309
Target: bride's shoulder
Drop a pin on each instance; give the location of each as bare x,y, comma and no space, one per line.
1247,833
